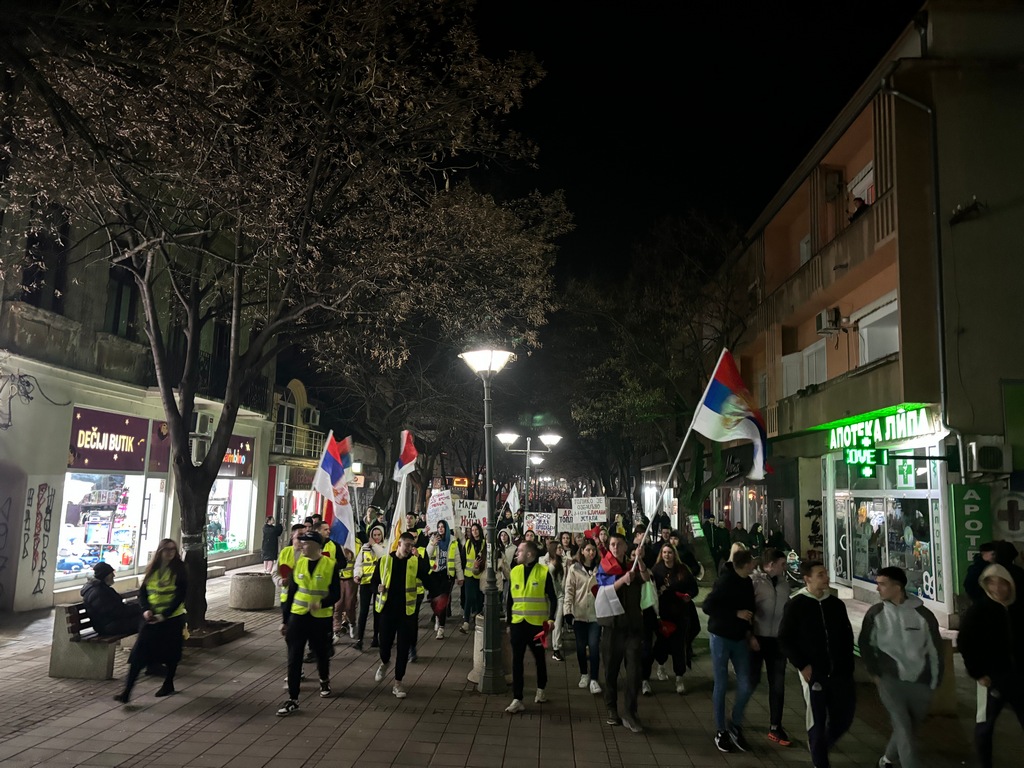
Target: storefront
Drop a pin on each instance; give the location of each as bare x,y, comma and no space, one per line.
230,516
114,501
884,481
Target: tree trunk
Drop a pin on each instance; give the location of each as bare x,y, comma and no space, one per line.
192,489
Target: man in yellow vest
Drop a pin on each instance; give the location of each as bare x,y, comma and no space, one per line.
529,610
306,616
395,582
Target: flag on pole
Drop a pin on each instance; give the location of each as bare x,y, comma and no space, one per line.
406,456
397,527
513,499
331,480
727,412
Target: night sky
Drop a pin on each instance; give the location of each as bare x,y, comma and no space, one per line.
653,108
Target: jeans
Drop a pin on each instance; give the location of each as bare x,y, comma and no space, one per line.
622,647
474,599
774,661
588,636
723,651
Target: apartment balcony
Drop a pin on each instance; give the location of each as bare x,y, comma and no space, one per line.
832,270
213,381
862,390
302,442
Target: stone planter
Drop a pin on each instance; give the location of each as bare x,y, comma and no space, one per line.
252,592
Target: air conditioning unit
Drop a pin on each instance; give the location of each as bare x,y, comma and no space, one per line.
828,321
200,447
202,425
988,453
311,416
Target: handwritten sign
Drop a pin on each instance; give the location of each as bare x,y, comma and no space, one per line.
439,508
565,521
589,511
469,511
541,523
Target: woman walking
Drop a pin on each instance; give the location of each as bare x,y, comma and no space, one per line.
162,597
677,587
272,531
556,572
476,559
446,570
366,563
580,581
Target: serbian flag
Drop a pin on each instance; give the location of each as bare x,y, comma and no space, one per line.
406,456
727,412
331,481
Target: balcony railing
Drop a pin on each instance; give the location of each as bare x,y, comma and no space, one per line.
213,381
290,440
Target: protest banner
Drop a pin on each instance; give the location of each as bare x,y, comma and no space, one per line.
541,523
565,521
588,511
439,508
469,511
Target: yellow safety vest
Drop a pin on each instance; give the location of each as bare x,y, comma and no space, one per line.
453,552
470,559
330,549
286,557
529,600
369,558
349,569
160,589
411,567
313,586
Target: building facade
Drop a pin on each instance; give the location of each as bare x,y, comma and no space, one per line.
882,348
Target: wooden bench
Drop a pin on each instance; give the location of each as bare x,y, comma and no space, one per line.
79,651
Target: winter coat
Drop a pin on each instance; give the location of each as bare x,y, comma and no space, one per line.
902,642
730,594
770,598
579,592
670,585
817,631
109,613
991,641
1005,555
271,540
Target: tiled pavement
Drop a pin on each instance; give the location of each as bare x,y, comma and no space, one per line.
224,714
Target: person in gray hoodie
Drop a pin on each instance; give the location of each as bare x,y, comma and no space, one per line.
771,593
901,648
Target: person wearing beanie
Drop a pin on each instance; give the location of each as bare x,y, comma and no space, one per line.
991,643
107,610
901,647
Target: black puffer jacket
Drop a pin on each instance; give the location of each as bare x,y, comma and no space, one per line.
818,632
991,642
730,594
108,611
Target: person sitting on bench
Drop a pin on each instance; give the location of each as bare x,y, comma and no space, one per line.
106,608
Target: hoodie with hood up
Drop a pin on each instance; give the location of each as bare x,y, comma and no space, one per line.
903,642
991,638
378,551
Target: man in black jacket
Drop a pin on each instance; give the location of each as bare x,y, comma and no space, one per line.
817,638
991,643
730,610
107,609
990,553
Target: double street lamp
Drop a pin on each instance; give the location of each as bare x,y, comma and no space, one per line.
547,441
485,363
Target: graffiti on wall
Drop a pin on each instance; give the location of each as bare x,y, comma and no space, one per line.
45,495
5,527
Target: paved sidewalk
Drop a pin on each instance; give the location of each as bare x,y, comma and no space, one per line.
224,714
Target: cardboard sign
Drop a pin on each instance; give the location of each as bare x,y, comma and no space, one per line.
565,521
541,523
589,511
439,508
468,512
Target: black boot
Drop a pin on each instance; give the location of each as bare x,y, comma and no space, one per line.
129,683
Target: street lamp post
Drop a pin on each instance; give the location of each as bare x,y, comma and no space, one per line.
549,440
485,363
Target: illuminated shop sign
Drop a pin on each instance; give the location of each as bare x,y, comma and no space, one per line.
901,425
866,459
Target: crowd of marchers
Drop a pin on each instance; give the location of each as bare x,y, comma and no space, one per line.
630,602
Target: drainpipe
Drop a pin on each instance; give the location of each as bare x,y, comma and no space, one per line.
940,311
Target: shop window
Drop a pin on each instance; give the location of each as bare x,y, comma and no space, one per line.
868,537
229,516
879,333
101,520
909,541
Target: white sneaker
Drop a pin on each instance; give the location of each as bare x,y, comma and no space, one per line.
382,670
464,629
662,674
680,685
645,688
399,690
351,631
594,687
584,681
515,706
883,762
540,698
440,633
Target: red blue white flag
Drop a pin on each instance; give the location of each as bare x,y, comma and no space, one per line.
727,412
332,478
406,456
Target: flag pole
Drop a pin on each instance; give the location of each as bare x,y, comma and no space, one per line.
679,455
